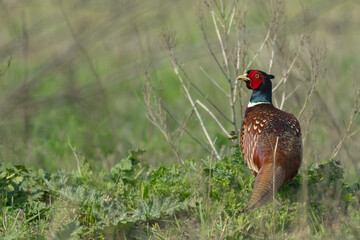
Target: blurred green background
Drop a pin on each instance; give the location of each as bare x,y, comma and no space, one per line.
77,70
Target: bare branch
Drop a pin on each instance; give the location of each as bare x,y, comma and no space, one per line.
354,132
311,89
209,47
291,93
272,54
214,82
157,117
283,97
221,43
317,56
202,94
213,116
258,51
195,109
286,75
226,62
170,42
231,21
355,112
183,127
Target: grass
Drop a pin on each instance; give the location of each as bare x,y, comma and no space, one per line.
91,101
198,201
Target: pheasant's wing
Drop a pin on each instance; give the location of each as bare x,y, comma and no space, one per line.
268,178
248,142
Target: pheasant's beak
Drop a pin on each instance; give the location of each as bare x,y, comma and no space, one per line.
243,77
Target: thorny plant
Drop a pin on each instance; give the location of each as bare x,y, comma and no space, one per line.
233,54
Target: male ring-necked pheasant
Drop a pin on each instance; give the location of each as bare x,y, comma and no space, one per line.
270,140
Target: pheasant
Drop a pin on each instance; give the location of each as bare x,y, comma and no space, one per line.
270,140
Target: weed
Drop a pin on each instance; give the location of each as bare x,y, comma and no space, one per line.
136,200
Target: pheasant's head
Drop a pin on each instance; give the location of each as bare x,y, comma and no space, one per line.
260,83
254,79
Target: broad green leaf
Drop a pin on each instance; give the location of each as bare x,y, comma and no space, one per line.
10,187
17,179
125,164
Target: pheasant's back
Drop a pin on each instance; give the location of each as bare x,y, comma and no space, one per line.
272,146
263,124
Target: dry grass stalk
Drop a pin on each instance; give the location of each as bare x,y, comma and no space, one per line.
222,18
214,82
354,113
213,116
258,51
188,95
273,43
217,108
154,105
157,117
223,229
288,70
224,50
223,47
73,149
317,57
274,181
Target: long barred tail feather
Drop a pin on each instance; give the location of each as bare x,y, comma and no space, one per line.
264,185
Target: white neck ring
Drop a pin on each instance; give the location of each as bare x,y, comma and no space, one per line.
252,104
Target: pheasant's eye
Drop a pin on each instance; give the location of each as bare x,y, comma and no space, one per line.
257,75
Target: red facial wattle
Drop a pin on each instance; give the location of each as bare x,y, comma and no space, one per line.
255,79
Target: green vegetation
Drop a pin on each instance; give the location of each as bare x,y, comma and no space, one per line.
198,201
71,108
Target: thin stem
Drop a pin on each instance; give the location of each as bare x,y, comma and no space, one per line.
188,95
223,230
231,21
221,43
354,132
288,70
172,115
16,218
258,51
231,89
213,116
272,54
355,112
238,55
214,82
291,93
211,51
202,94
313,82
283,94
76,158
274,178
184,128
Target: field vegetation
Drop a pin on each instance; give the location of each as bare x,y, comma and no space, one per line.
119,119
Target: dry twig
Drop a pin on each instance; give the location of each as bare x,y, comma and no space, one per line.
355,111
176,70
317,57
157,117
213,116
